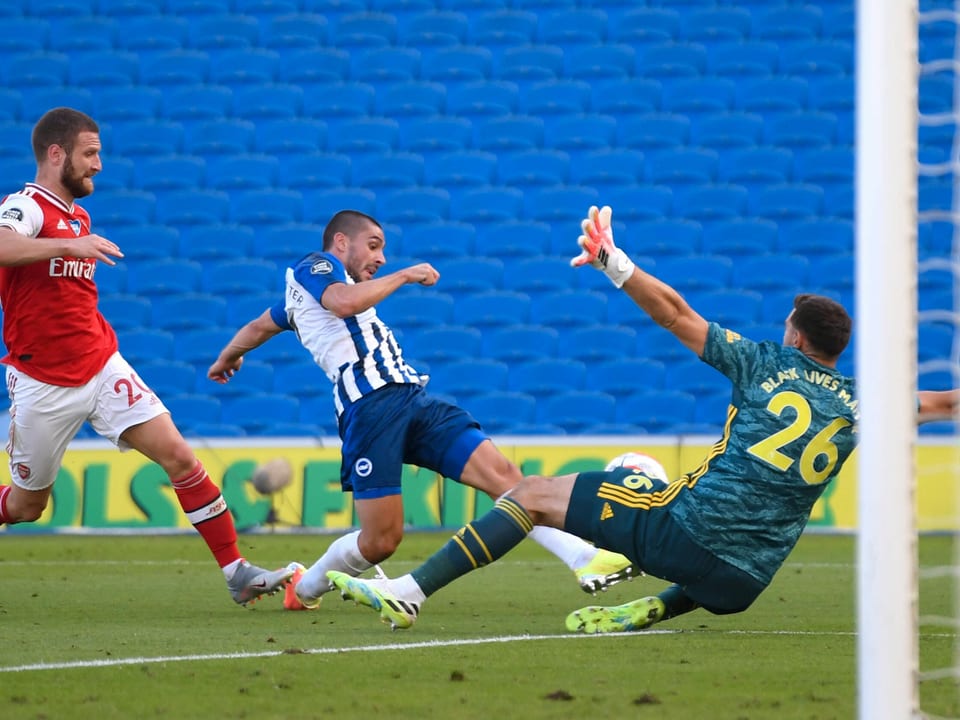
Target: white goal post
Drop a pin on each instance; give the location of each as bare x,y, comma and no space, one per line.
886,351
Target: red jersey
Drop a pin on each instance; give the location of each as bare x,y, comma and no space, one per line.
51,325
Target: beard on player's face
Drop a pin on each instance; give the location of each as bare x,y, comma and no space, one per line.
73,181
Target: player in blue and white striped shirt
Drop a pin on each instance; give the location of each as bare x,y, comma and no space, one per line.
385,416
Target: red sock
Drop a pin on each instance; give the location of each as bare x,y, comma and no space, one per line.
4,491
207,511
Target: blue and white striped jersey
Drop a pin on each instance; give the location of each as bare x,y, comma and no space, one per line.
359,353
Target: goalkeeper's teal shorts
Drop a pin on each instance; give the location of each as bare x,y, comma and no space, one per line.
648,534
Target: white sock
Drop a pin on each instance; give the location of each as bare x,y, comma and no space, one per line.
231,568
573,551
406,587
343,555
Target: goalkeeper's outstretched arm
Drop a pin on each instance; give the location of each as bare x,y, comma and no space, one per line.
660,301
937,405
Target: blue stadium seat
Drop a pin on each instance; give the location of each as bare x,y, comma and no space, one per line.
483,98
268,102
24,35
411,98
711,202
338,102
839,22
470,377
699,95
335,7
570,27
756,166
169,172
146,241
547,376
640,202
560,204
224,31
833,272
167,377
696,272
295,30
787,202
569,308
440,240
499,410
470,274
121,207
181,66
282,350
529,63
600,62
820,235
125,312
442,343
193,207
245,171
557,97
104,68
608,167
791,23
365,135
144,344
743,59
434,28
663,237
728,130
255,412
575,410
520,343
314,65
711,25
295,137
508,133
188,311
597,343
652,131
38,99
767,95
357,31
832,94
801,130
319,410
711,411
125,104
460,168
657,410
42,68
682,165
581,132
818,58
194,9
23,168
487,204
113,280
624,375
198,346
162,277
190,409
513,239
646,25
493,308
936,375
11,107
457,64
672,60
740,237
240,276
538,273
771,272
827,166
197,102
245,66
242,310
623,96
384,65
413,205
389,172
533,168
934,341
436,134
412,309
502,27
305,378
226,136
322,204
731,307
205,243
151,34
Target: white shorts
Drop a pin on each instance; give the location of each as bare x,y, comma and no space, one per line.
45,418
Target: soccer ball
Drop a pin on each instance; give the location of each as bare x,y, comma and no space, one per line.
640,462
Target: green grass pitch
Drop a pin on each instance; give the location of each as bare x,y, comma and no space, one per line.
142,627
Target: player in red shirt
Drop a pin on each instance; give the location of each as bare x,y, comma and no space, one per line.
63,364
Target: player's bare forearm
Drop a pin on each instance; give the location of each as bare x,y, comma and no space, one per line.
667,308
18,249
937,405
345,300
252,335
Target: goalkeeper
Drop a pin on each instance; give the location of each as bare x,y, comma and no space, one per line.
719,533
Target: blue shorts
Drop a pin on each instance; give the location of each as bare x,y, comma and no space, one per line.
400,424
637,522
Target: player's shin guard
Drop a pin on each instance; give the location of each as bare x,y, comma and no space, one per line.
475,545
207,511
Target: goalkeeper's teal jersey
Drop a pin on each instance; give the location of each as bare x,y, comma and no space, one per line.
790,426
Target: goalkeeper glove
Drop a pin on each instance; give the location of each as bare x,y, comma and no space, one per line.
597,248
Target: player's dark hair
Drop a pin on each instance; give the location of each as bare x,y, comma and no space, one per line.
823,321
347,222
60,126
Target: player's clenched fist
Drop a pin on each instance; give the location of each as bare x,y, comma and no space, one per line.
597,248
422,273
